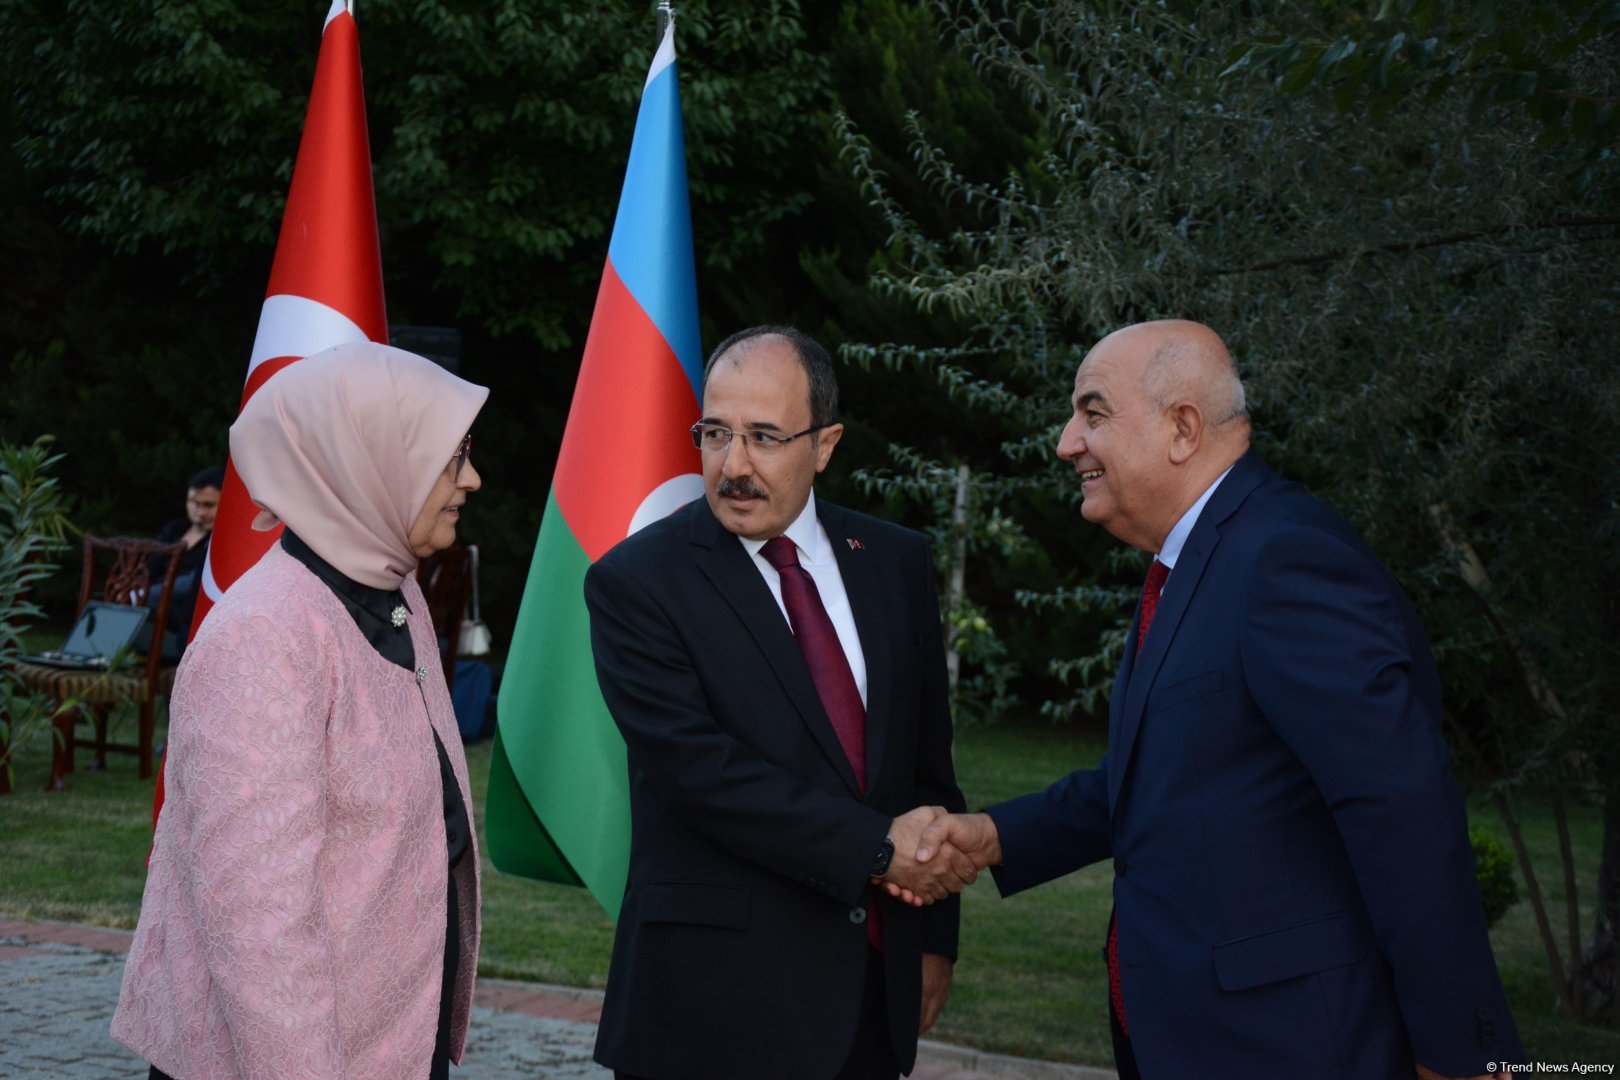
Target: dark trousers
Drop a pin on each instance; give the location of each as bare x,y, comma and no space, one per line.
439,1069
871,1056
1124,1056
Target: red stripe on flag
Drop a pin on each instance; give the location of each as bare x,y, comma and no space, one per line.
261,374
236,513
328,247
234,519
627,426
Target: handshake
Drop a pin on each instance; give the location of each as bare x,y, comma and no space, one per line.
938,854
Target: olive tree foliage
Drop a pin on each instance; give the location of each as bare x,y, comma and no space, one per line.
1422,305
887,55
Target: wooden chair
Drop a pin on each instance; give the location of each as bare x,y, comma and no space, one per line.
127,580
444,577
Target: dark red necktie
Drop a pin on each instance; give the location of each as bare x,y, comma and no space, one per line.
1151,588
829,670
823,653
1158,573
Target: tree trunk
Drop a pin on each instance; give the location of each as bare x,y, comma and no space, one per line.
1572,900
1550,709
1596,993
1538,905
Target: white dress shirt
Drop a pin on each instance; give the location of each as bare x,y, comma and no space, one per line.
816,556
1171,551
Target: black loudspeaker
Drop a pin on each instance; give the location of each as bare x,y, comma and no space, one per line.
440,344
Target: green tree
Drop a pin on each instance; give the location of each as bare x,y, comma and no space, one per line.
896,79
498,135
150,147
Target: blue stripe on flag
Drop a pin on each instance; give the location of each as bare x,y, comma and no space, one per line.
651,247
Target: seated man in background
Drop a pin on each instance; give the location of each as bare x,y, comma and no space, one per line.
194,530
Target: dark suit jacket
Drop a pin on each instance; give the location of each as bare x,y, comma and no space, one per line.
1294,884
742,944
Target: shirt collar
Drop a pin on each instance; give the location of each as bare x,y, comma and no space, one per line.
806,534
1171,551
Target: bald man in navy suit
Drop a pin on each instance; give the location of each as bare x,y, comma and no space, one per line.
1294,888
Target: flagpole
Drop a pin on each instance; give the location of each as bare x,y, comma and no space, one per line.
666,16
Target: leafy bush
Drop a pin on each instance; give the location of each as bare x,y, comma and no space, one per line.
1497,885
33,531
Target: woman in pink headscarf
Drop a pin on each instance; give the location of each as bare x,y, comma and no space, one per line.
311,908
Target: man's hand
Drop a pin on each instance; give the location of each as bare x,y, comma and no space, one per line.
1428,1074
948,872
973,835
951,838
936,978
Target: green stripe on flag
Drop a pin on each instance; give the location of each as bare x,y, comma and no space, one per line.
518,843
559,795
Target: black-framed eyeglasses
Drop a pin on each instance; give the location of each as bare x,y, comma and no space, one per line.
717,437
460,458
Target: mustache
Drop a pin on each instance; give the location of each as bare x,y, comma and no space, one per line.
742,488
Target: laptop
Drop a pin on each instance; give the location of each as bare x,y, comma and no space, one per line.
102,630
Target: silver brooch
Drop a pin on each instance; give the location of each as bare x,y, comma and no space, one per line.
398,616
421,676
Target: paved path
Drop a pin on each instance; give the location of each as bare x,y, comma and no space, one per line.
59,983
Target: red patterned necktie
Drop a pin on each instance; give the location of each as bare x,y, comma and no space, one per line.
1151,588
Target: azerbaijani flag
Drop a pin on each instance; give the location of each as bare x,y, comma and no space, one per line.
559,801
326,283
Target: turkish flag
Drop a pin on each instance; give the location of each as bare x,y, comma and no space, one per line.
326,284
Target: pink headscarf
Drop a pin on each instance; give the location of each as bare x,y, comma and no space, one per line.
345,447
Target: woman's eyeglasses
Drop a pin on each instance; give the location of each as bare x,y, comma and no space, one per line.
460,457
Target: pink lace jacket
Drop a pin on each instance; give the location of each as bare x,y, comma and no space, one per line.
294,916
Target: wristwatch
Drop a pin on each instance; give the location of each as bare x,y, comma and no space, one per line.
880,865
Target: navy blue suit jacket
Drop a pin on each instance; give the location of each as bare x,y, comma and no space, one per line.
1294,885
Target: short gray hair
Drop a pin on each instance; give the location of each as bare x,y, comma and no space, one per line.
1180,368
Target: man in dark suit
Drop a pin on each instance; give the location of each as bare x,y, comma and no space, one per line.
777,669
195,530
1294,889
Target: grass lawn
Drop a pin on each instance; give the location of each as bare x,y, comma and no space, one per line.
1030,980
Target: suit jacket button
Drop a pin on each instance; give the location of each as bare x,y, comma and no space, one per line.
857,915
1483,1014
1119,866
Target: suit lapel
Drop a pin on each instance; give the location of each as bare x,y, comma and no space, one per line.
864,586
1178,592
722,559
1138,671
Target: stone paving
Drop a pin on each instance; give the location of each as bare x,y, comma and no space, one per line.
59,984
